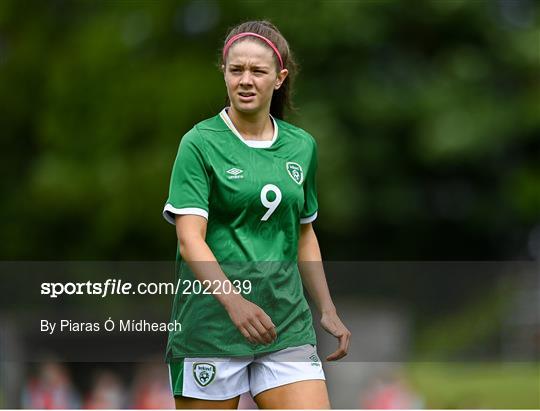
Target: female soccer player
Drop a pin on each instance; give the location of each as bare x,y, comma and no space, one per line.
243,198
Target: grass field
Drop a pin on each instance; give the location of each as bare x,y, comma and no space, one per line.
476,385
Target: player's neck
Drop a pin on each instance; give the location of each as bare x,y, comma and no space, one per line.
256,126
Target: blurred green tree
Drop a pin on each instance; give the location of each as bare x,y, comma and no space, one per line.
426,115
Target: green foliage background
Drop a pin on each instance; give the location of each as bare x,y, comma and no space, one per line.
426,115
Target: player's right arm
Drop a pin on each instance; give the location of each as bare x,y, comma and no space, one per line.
250,319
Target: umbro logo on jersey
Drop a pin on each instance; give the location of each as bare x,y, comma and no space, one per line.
235,173
295,171
204,373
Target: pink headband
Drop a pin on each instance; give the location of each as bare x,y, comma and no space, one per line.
240,35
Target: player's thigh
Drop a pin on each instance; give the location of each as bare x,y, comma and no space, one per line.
289,378
183,403
308,394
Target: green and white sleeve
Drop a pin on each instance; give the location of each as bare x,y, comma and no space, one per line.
190,182
309,213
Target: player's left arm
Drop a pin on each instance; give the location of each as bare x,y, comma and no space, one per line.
312,273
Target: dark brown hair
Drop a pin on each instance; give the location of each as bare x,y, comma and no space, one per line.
282,97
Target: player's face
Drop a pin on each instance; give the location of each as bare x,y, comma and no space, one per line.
251,77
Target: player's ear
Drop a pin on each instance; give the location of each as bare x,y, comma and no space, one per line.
282,75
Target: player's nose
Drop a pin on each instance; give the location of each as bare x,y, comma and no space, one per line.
246,78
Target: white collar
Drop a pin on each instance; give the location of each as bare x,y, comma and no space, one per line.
251,143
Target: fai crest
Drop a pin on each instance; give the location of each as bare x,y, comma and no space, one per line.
295,171
204,373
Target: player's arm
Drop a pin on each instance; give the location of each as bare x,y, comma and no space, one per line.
314,279
250,319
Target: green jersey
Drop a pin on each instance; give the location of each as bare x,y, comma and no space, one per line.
255,195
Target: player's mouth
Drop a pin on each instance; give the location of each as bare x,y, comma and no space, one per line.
246,96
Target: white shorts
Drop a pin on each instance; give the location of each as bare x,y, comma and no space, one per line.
224,378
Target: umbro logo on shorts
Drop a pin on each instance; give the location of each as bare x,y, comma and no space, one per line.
204,373
235,173
315,360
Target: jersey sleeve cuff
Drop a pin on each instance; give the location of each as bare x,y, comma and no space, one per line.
169,212
309,219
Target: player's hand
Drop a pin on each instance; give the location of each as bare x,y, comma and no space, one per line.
331,323
252,321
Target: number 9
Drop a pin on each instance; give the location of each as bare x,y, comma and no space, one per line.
271,205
